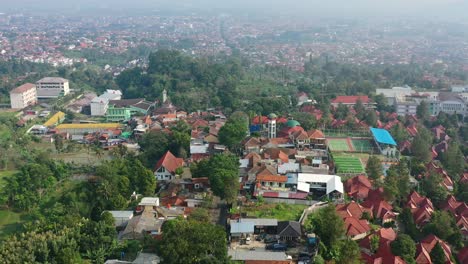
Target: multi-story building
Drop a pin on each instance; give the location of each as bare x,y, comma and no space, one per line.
52,87
99,105
450,103
395,93
23,96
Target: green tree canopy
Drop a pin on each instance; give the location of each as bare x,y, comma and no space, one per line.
404,247
374,168
438,255
233,132
327,224
192,242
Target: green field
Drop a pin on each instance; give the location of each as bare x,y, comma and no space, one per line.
348,164
362,145
282,212
338,144
10,222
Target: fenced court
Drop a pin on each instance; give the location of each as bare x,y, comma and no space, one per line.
347,133
348,165
339,144
362,145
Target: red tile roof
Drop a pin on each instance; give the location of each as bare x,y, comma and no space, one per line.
358,187
170,162
355,226
463,255
423,250
380,209
350,99
351,209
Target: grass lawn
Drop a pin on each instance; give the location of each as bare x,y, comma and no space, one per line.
282,212
3,175
10,222
338,144
348,164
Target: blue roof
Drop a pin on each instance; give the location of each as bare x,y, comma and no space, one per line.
382,136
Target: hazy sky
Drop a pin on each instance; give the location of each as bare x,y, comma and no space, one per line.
439,8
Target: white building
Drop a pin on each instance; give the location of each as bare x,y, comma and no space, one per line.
450,103
320,184
52,87
121,218
23,96
394,93
99,105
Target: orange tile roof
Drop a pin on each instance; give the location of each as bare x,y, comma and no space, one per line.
272,178
170,162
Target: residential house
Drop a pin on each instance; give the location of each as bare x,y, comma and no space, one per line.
271,182
138,226
289,230
165,169
358,187
424,249
463,255
421,208
121,218
380,208
447,182
383,253
356,228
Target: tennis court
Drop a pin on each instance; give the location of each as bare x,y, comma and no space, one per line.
362,145
348,164
338,144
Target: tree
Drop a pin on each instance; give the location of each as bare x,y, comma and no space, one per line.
421,145
443,225
371,118
348,252
454,161
222,171
432,187
153,144
374,168
396,183
437,254
306,120
327,224
58,142
404,247
200,215
360,109
374,243
422,110
191,242
232,133
341,111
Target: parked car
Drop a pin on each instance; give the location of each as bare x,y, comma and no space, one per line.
270,239
277,247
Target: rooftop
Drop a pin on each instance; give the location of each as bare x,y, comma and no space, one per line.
23,88
383,136
52,80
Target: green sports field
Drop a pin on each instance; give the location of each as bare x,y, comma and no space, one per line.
338,144
362,145
348,164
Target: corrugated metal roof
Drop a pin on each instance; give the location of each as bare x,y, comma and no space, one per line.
84,126
56,118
